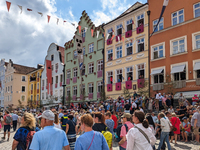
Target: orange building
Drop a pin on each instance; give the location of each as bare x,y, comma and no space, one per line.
175,47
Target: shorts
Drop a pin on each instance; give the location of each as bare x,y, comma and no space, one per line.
196,131
171,133
6,127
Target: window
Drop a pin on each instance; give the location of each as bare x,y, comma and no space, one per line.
197,41
83,71
31,97
100,65
23,78
119,75
31,86
110,55
91,48
91,88
178,17
68,57
83,88
141,71
91,68
43,96
180,76
23,98
37,85
110,32
52,67
37,97
160,25
159,78
10,97
68,74
158,52
119,52
46,82
38,74
178,46
56,65
42,83
197,10
68,91
52,57
23,88
75,54
119,29
52,80
46,95
75,72
56,79
83,50
129,73
61,78
83,32
110,77
140,20
75,90
198,73
8,89
129,48
129,25
140,45
11,89
99,86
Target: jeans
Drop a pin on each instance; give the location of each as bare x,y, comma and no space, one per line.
14,125
121,148
164,136
160,104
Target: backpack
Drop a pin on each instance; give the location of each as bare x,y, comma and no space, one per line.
8,119
118,131
108,136
29,139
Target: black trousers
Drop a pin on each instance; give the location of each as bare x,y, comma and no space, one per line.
14,125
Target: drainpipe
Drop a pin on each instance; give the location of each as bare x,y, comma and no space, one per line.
103,51
148,13
63,100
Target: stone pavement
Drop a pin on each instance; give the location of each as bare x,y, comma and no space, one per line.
7,145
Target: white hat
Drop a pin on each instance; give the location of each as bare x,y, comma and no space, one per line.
47,114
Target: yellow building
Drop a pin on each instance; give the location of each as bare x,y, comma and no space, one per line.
34,91
126,51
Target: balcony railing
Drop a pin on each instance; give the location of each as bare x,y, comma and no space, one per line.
179,84
32,79
197,81
158,86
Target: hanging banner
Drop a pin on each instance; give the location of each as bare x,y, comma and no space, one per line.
20,7
48,17
107,36
79,49
29,9
97,34
49,75
8,5
92,32
79,27
40,14
86,29
57,20
112,37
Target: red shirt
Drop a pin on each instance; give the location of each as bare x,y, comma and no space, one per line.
4,118
114,118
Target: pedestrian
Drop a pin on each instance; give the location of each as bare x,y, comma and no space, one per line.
109,122
114,118
50,138
63,120
195,122
195,99
14,120
90,140
185,129
56,121
176,124
145,138
99,124
24,135
1,120
19,120
7,121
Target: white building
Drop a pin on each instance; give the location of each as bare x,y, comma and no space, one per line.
2,81
55,55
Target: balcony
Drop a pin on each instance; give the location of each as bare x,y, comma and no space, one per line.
81,97
90,95
60,84
74,79
99,73
38,79
197,81
83,39
56,85
68,81
140,29
37,90
158,86
179,84
109,87
128,34
32,79
118,86
140,83
128,84
118,38
98,95
74,97
109,41
43,88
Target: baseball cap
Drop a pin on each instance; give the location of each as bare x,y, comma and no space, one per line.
184,118
47,114
126,115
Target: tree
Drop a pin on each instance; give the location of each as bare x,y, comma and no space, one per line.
126,93
145,89
169,85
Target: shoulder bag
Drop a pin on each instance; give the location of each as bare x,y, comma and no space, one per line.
143,133
91,141
173,127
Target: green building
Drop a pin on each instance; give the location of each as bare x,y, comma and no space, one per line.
92,72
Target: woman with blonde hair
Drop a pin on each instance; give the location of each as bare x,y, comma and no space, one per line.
24,135
56,121
19,120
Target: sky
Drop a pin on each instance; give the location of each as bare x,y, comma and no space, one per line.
25,37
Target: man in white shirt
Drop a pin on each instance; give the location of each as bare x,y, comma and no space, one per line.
154,117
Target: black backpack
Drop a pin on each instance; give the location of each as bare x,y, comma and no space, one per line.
118,131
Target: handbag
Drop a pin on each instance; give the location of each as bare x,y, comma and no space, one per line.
143,133
173,127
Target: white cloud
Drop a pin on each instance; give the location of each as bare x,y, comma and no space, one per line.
25,37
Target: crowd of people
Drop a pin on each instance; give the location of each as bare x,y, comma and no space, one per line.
134,123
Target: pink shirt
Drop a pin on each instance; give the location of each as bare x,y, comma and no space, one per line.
164,99
123,132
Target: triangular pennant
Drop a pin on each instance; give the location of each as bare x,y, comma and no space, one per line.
112,37
64,21
8,5
40,14
48,17
107,36
29,9
73,24
79,27
20,7
57,20
97,34
118,37
86,29
92,32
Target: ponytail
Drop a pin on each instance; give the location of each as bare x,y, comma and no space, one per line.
100,117
145,123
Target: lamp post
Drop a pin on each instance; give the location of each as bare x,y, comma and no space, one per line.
64,85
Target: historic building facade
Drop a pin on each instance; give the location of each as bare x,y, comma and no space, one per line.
92,73
126,51
175,47
52,76
16,85
34,86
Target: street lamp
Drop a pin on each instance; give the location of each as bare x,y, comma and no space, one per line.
63,100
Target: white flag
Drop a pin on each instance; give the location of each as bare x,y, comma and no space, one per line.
97,34
57,20
107,36
165,3
20,7
118,37
86,29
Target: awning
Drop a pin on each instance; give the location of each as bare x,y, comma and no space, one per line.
156,71
177,69
197,66
187,95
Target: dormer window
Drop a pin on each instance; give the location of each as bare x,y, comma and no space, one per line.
129,25
52,57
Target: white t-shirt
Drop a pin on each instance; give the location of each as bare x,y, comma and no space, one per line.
171,110
57,126
165,124
141,110
134,105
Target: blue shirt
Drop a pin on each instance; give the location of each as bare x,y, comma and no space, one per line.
50,138
110,124
14,117
99,142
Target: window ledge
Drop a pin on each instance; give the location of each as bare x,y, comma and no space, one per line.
173,55
194,50
90,52
158,59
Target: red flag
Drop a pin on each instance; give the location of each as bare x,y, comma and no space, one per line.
79,27
48,17
29,9
112,30
123,39
8,5
112,37
92,31
132,22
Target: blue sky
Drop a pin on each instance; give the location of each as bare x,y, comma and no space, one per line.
25,37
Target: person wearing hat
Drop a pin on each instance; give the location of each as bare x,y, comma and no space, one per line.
64,120
185,128
126,117
195,123
194,99
50,138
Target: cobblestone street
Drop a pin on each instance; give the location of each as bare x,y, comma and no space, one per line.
7,145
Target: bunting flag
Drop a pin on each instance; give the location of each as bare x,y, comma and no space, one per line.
112,30
107,36
79,27
40,14
48,17
122,39
29,9
8,5
20,7
64,21
165,3
97,34
92,32
132,21
86,29
73,24
112,37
